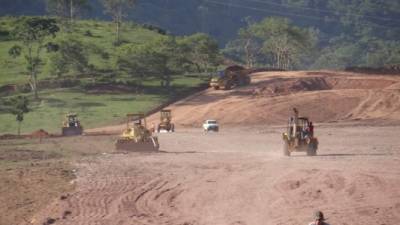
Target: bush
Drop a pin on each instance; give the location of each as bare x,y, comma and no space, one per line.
23,88
4,35
67,83
105,55
154,28
88,33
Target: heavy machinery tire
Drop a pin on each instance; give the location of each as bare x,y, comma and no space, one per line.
286,149
228,85
156,145
312,149
158,129
240,82
247,80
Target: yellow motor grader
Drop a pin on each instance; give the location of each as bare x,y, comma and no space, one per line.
165,121
299,136
71,125
136,136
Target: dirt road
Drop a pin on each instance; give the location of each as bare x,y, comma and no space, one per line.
239,176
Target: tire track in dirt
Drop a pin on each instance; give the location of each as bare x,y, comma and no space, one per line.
363,195
95,200
239,177
110,198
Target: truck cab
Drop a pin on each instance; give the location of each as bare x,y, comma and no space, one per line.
211,125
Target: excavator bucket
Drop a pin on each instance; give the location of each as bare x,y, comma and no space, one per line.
131,145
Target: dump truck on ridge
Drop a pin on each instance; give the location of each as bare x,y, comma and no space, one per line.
231,77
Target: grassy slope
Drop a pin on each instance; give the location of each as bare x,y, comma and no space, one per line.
14,70
94,109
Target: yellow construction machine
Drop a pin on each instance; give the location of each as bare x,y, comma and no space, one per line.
299,136
231,77
137,137
71,125
165,121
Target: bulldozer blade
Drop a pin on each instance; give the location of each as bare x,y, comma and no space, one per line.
71,131
130,145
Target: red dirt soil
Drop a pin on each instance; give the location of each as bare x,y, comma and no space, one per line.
239,175
323,96
39,134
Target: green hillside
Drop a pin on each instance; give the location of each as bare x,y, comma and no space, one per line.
96,35
143,71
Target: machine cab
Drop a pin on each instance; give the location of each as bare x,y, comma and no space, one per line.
299,128
71,120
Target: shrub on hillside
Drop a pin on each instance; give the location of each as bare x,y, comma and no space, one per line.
88,33
4,35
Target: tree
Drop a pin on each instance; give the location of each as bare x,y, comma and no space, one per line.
158,58
19,106
134,60
66,10
32,33
116,9
250,46
69,54
286,43
200,50
250,43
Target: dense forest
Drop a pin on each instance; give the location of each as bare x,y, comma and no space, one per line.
294,34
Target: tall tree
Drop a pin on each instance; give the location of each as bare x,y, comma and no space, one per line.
66,10
158,58
200,50
250,43
286,42
70,55
32,33
18,107
117,9
251,46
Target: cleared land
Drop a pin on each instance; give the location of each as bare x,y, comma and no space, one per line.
236,176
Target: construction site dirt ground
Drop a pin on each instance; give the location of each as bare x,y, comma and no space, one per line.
236,176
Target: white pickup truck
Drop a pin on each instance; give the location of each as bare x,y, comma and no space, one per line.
210,125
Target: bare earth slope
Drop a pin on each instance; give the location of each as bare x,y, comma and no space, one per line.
324,96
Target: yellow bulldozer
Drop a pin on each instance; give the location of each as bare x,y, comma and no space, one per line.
165,121
299,136
231,77
71,125
136,136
